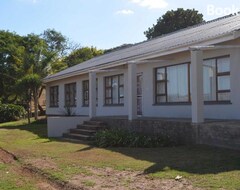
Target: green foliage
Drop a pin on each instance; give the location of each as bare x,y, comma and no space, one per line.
123,138
11,112
172,21
82,54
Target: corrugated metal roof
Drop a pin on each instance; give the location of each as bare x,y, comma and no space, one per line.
189,36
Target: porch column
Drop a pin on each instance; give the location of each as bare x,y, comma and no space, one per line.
197,86
92,94
132,91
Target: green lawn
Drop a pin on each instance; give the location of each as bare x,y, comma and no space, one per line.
206,167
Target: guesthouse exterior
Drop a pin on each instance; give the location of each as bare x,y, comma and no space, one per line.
192,74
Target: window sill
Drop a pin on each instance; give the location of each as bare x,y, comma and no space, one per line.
189,103
173,104
217,102
113,105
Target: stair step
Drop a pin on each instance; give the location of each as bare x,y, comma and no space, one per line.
83,131
78,136
98,123
89,127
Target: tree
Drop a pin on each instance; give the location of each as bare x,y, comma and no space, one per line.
29,85
82,54
172,21
10,64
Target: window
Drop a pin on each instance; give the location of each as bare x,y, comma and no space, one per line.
172,84
70,94
216,74
54,96
86,92
114,90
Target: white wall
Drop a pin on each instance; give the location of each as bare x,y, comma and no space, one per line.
217,111
59,125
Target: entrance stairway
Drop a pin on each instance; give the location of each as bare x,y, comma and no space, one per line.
85,131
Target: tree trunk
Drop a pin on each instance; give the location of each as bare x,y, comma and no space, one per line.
35,96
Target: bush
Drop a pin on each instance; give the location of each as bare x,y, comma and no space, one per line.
11,112
123,138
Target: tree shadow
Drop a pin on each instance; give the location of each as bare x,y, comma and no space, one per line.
195,159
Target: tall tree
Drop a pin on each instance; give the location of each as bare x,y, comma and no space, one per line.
82,54
11,53
174,20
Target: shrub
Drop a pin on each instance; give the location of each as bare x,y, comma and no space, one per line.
123,138
11,112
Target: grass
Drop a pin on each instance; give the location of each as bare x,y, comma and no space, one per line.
204,166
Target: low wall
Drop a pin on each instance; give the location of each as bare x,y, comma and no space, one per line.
182,132
221,134
57,125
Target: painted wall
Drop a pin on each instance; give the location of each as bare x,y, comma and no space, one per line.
217,111
59,125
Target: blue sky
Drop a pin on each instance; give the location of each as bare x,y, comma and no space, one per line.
100,23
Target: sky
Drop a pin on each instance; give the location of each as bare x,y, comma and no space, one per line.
100,23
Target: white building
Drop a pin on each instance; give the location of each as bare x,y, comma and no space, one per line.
192,73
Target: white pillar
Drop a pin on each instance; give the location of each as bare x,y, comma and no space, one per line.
132,91
92,94
197,86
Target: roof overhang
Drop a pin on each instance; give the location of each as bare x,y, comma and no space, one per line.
208,44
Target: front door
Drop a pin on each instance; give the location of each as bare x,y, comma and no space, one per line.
139,94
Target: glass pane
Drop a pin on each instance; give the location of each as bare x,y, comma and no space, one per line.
161,74
161,99
177,85
209,80
108,101
108,81
161,88
121,80
224,96
223,64
108,93
121,100
224,82
121,92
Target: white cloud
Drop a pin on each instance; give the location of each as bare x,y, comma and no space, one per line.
125,12
151,4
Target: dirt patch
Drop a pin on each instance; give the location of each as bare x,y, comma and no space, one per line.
108,178
42,163
6,157
96,179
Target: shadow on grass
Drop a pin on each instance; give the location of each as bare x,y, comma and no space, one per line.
36,127
195,159
191,159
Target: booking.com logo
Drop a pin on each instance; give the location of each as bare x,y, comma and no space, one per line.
219,11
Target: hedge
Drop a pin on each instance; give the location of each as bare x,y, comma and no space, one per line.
11,112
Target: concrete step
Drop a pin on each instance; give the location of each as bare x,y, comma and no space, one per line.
90,127
92,122
78,136
83,131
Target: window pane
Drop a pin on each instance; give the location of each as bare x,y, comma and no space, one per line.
209,80
161,88
224,82
121,92
177,83
224,96
161,74
108,93
223,64
121,82
108,81
161,99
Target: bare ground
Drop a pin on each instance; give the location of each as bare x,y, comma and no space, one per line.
97,179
